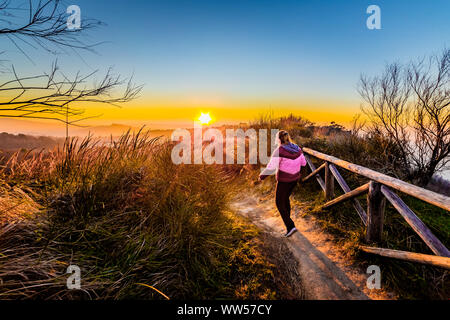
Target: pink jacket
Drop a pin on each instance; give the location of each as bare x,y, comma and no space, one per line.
287,164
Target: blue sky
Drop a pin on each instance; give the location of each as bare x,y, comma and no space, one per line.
265,51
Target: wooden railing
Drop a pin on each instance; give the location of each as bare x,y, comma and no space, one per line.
378,189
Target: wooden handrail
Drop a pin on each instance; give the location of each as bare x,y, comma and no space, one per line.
314,173
428,196
419,227
313,168
378,192
344,186
436,261
347,196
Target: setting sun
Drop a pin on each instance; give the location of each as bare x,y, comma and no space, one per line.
205,118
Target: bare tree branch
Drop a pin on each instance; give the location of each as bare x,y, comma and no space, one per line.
411,107
54,96
42,24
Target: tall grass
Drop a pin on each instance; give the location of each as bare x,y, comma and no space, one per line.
134,223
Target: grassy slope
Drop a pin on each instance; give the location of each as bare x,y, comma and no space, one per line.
129,219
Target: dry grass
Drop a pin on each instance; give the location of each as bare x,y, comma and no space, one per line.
130,219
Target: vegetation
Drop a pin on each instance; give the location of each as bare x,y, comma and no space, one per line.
130,219
13,142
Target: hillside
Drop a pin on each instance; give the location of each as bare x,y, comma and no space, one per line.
10,142
115,130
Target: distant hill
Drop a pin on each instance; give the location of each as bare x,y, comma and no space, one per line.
103,131
11,142
115,130
56,129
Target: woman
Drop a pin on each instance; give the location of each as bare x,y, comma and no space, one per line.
287,160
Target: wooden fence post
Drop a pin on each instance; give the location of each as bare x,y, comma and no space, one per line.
375,212
329,183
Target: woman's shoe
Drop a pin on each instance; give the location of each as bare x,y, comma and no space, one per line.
290,232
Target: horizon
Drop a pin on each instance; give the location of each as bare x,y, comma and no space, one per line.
51,128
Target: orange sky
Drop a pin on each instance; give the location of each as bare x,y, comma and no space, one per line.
174,111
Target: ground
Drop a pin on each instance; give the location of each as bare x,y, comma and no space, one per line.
324,269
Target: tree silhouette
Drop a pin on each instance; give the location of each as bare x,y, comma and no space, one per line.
410,106
53,95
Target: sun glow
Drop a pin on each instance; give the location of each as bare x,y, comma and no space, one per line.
205,118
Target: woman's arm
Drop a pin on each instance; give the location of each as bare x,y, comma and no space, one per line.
272,166
302,161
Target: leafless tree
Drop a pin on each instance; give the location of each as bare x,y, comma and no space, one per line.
387,109
42,24
430,82
53,95
409,106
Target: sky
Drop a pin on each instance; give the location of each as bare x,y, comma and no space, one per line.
238,59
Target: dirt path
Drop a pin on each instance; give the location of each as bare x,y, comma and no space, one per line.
324,272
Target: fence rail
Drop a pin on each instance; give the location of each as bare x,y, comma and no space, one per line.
378,190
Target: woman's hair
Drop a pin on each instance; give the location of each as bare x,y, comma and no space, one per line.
284,137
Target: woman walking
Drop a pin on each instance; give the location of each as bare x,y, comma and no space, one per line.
287,161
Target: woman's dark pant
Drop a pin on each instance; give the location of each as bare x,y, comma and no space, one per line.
283,192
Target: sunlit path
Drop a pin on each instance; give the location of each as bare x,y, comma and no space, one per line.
325,274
